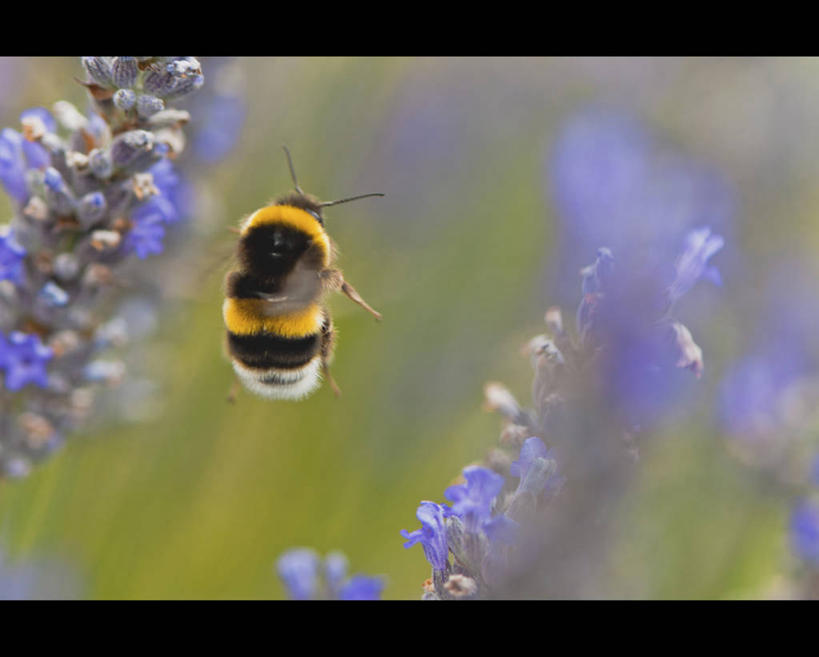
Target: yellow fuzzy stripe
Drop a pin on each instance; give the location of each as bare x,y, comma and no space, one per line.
246,316
295,218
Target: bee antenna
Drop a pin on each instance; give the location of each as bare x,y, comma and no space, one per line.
346,200
292,170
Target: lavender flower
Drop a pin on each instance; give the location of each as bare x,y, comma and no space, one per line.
515,522
13,165
305,578
23,358
91,190
624,319
472,501
298,569
12,257
432,534
469,529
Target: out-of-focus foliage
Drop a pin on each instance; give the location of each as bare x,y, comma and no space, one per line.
485,224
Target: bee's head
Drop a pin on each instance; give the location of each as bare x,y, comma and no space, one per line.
298,199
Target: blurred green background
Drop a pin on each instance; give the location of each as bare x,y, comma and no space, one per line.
200,500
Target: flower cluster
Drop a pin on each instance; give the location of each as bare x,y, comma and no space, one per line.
307,577
626,340
91,191
48,579
481,526
613,182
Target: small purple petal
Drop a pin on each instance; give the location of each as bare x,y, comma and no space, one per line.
362,587
700,246
12,256
298,568
531,449
472,501
432,534
12,165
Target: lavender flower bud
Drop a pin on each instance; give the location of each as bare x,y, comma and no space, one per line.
69,116
58,196
112,333
92,208
99,68
66,266
461,587
124,71
690,353
468,548
169,118
54,295
105,240
185,86
158,83
36,209
131,148
147,105
102,371
125,99
100,163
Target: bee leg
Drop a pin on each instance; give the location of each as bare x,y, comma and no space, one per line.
325,370
233,392
328,340
333,280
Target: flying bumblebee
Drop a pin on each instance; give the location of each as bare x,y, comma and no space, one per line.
280,335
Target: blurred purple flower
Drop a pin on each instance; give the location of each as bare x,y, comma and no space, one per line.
301,571
174,200
298,569
613,183
12,256
41,580
23,358
783,351
431,535
222,120
804,530
750,394
623,314
335,569
362,587
13,165
221,114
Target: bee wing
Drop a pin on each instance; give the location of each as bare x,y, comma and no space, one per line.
301,288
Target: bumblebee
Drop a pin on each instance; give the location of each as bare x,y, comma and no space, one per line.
280,336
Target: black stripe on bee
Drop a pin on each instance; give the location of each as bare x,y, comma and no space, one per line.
265,350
